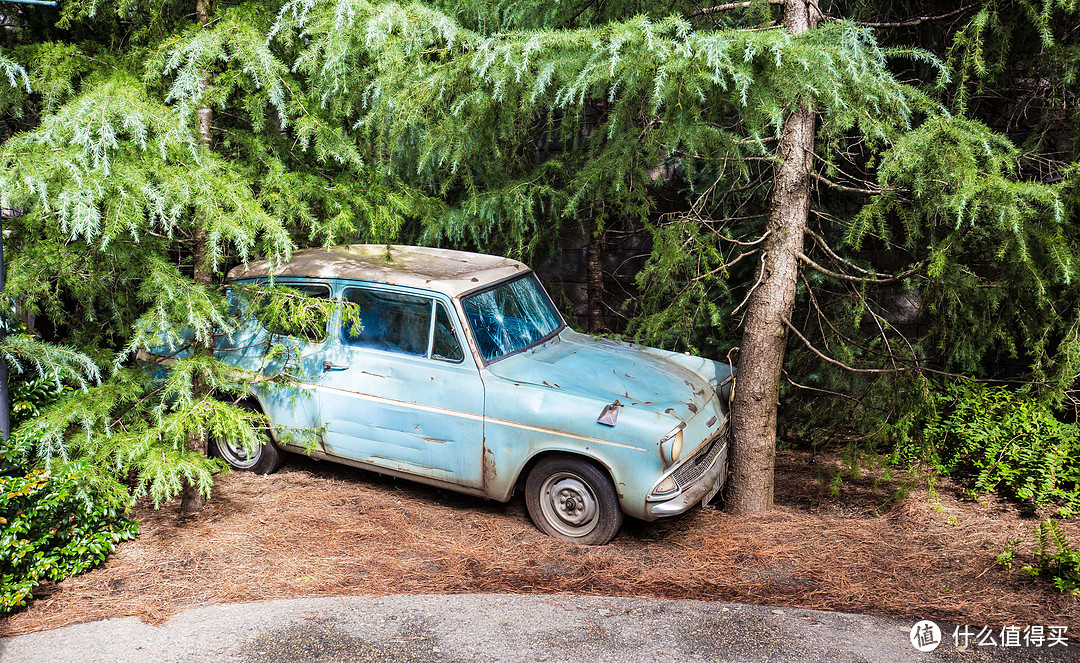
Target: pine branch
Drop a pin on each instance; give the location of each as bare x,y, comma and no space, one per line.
856,279
841,187
832,254
838,363
822,391
705,11
912,21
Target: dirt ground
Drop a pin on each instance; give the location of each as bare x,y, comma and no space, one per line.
318,529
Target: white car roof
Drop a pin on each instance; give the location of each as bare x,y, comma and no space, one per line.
449,272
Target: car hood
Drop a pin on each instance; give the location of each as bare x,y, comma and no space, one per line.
607,371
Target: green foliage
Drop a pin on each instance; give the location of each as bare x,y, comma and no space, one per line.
1002,441
53,526
1005,558
52,364
14,73
54,523
29,397
519,130
984,47
997,251
131,426
495,125
685,291
1055,559
120,168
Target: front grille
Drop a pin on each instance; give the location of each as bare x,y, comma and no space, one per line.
691,470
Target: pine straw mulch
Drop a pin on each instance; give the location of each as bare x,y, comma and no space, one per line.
316,529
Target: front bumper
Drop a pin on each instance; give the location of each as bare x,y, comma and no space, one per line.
712,478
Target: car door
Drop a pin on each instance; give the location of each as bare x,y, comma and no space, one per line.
286,348
399,391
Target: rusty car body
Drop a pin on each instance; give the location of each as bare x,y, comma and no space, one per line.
462,374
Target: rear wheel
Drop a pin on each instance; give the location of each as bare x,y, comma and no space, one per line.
570,499
265,458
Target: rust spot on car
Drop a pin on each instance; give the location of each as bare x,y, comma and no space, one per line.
490,473
692,407
433,439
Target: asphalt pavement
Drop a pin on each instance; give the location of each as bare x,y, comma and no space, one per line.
512,628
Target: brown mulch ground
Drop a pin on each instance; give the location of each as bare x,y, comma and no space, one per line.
317,529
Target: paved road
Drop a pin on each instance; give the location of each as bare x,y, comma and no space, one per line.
498,628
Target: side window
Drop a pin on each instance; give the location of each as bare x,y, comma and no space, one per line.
291,311
388,321
444,343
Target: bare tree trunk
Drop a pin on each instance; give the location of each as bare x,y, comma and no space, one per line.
761,355
594,266
191,499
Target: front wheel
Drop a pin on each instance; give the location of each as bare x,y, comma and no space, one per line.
265,458
571,499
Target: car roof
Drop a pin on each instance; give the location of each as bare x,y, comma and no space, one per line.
442,270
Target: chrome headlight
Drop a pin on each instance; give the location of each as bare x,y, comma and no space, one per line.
671,446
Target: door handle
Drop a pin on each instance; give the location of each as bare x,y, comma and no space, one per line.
330,366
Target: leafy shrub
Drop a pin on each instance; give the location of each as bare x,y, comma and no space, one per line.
53,524
1003,440
1054,557
29,396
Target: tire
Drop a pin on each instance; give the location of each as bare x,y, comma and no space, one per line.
266,458
570,499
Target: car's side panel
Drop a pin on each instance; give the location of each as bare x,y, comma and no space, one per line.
288,403
412,414
524,421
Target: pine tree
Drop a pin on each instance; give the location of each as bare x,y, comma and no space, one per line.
125,214
472,112
813,180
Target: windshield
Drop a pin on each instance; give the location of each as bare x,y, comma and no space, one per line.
510,316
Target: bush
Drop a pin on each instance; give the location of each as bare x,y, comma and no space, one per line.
1003,440
29,396
53,524
1055,559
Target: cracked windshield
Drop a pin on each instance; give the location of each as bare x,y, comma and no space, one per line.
510,317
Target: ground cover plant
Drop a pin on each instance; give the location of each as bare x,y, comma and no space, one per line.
1001,440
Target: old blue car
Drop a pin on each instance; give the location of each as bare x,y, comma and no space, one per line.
460,373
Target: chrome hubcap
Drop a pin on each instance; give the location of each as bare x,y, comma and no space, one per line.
239,457
568,504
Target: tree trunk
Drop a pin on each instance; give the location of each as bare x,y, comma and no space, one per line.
594,289
191,499
761,355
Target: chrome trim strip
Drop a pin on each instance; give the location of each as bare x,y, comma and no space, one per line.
463,415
